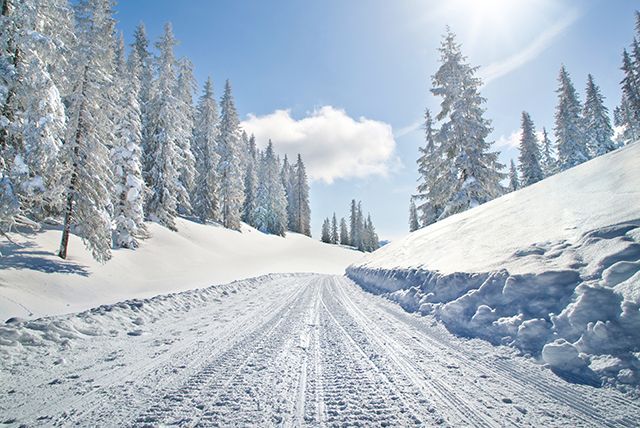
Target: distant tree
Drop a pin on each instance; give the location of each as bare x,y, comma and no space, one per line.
370,237
514,182
300,212
250,184
547,160
271,202
413,217
598,130
354,239
335,237
326,231
569,131
530,170
344,232
229,166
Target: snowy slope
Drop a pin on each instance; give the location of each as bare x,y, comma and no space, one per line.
552,269
34,282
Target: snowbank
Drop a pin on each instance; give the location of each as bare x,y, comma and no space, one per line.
553,270
35,283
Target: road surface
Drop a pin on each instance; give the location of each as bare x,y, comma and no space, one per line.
306,350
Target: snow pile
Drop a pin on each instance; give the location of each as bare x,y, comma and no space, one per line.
35,283
128,317
553,269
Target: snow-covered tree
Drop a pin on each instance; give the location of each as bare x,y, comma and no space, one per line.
163,153
205,201
271,203
185,88
250,184
335,236
547,160
370,237
89,131
325,235
463,132
598,130
413,217
286,174
514,182
126,156
354,238
299,201
529,160
229,166
569,132
344,232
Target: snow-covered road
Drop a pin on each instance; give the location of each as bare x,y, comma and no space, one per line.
291,350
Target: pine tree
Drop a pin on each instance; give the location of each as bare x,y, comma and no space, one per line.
89,131
299,202
326,232
547,160
250,184
126,156
598,130
185,88
205,201
360,233
514,183
354,239
286,174
530,170
271,204
463,133
335,237
344,232
370,237
572,149
229,166
413,217
163,153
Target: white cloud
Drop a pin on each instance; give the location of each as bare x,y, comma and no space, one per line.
503,67
512,141
332,144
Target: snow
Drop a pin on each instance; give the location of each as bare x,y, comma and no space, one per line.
35,282
552,269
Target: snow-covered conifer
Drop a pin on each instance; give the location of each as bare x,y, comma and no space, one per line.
344,232
530,170
229,166
413,217
325,235
163,153
568,130
463,133
271,203
598,130
205,196
89,131
335,237
250,184
126,156
514,182
299,201
185,88
547,160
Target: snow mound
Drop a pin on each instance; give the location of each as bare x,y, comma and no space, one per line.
34,282
553,270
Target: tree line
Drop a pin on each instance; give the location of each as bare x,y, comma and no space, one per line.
360,233
102,141
457,169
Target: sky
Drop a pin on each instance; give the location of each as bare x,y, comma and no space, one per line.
346,83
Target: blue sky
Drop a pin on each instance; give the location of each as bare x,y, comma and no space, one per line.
345,82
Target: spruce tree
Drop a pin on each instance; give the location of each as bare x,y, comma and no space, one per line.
335,237
326,232
514,182
126,156
185,88
344,232
164,154
569,131
463,133
89,189
598,130
413,217
229,166
250,184
271,203
353,224
547,160
205,201
530,170
299,202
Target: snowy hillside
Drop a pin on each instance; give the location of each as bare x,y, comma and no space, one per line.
553,269
34,282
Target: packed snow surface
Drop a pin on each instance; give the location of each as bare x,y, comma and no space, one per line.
552,269
279,350
34,282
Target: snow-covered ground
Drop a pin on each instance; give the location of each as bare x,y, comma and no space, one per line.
552,269
286,350
34,282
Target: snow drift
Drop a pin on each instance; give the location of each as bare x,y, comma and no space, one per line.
552,269
34,282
